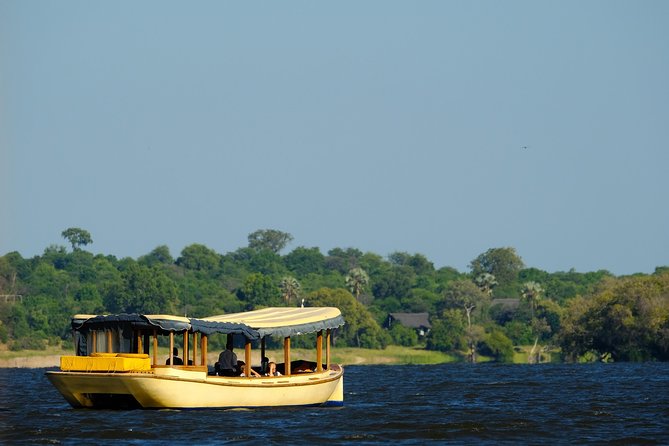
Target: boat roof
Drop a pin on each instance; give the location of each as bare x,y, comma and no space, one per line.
285,321
273,321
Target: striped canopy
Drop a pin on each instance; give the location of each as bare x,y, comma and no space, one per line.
285,321
274,321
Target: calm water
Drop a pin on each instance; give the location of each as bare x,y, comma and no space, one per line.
485,403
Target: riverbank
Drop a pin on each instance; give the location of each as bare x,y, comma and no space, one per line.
31,358
347,356
392,355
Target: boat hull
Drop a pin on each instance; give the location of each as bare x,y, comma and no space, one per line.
181,388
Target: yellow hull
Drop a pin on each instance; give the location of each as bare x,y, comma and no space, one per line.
168,387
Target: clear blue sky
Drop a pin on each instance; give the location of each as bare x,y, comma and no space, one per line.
380,125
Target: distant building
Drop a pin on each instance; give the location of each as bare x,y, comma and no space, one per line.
418,321
11,298
509,304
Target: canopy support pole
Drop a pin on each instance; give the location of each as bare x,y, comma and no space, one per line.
171,347
263,364
203,340
327,349
185,352
319,351
286,355
195,348
247,358
155,347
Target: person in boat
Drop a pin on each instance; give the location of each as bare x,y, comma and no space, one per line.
227,362
272,370
176,360
242,372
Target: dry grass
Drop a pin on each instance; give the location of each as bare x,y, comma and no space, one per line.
346,356
393,354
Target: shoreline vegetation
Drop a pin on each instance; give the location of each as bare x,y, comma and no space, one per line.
392,355
497,309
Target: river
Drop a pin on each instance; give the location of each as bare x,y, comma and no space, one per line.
427,404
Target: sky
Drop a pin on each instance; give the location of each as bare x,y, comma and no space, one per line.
444,128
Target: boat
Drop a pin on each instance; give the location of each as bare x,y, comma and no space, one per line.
117,363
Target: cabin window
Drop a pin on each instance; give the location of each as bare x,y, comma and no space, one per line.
116,340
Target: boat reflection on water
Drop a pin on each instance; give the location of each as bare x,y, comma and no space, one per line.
116,363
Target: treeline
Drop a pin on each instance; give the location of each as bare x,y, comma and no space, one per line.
500,303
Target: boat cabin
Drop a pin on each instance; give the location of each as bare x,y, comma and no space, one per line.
135,336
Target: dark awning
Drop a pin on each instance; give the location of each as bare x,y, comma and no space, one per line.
136,321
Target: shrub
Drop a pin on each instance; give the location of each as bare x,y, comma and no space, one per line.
403,336
497,345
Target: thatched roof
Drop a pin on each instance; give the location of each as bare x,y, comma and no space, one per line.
412,320
506,303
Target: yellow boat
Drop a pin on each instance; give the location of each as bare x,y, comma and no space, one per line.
117,366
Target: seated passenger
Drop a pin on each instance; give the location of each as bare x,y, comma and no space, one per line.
272,370
175,358
227,362
240,367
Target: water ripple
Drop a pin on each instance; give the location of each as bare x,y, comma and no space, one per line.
454,404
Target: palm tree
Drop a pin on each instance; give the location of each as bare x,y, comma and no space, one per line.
486,282
531,292
356,280
290,288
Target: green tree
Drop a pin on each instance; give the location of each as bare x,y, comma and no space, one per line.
290,289
77,237
519,332
503,263
258,291
199,258
402,335
531,293
8,277
269,239
161,255
418,262
466,295
626,320
259,261
396,281
56,255
486,282
497,345
88,300
302,261
343,260
360,330
49,281
143,289
448,332
420,300
356,281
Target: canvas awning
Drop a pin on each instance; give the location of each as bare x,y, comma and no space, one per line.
285,321
161,322
275,321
